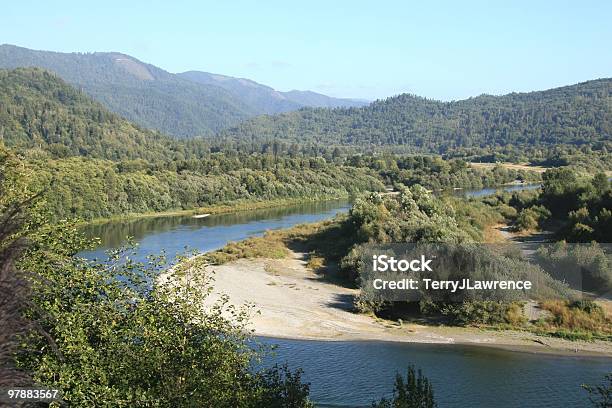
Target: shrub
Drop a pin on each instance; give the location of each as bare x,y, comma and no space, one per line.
415,392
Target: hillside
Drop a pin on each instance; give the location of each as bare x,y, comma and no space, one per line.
576,114
268,99
40,112
154,98
142,93
101,165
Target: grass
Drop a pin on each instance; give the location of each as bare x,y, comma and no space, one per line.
268,246
324,243
584,320
512,166
573,335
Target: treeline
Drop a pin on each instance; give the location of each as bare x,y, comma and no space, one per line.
575,115
90,189
435,173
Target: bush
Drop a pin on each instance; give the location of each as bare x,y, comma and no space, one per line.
530,219
601,395
577,317
485,312
415,392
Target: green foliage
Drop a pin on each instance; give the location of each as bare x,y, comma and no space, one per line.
582,205
436,173
577,114
415,216
90,189
414,392
283,389
42,114
530,219
412,216
15,201
484,312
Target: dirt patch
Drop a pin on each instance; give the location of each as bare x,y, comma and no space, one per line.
512,166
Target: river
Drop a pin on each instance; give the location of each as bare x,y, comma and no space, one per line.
177,234
481,192
353,374
350,374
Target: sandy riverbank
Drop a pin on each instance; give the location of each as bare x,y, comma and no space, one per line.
294,302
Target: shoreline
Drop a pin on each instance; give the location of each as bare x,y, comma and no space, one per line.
235,207
525,349
509,347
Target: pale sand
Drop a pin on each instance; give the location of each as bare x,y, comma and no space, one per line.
294,302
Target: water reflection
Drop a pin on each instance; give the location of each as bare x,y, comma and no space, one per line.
492,190
178,233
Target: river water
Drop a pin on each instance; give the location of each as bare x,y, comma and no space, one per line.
176,234
353,374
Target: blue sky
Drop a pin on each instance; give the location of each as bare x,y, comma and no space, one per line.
362,49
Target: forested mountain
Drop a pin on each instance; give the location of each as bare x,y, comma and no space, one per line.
142,93
577,114
40,112
267,99
150,96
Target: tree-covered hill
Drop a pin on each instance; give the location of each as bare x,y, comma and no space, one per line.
576,114
142,93
182,105
40,112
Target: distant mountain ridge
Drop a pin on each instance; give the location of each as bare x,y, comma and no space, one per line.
183,105
578,114
266,96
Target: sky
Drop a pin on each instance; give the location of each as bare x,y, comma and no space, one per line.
444,50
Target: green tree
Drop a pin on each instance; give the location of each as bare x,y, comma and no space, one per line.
414,392
123,338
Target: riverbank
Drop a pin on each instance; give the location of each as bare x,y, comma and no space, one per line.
233,207
291,301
